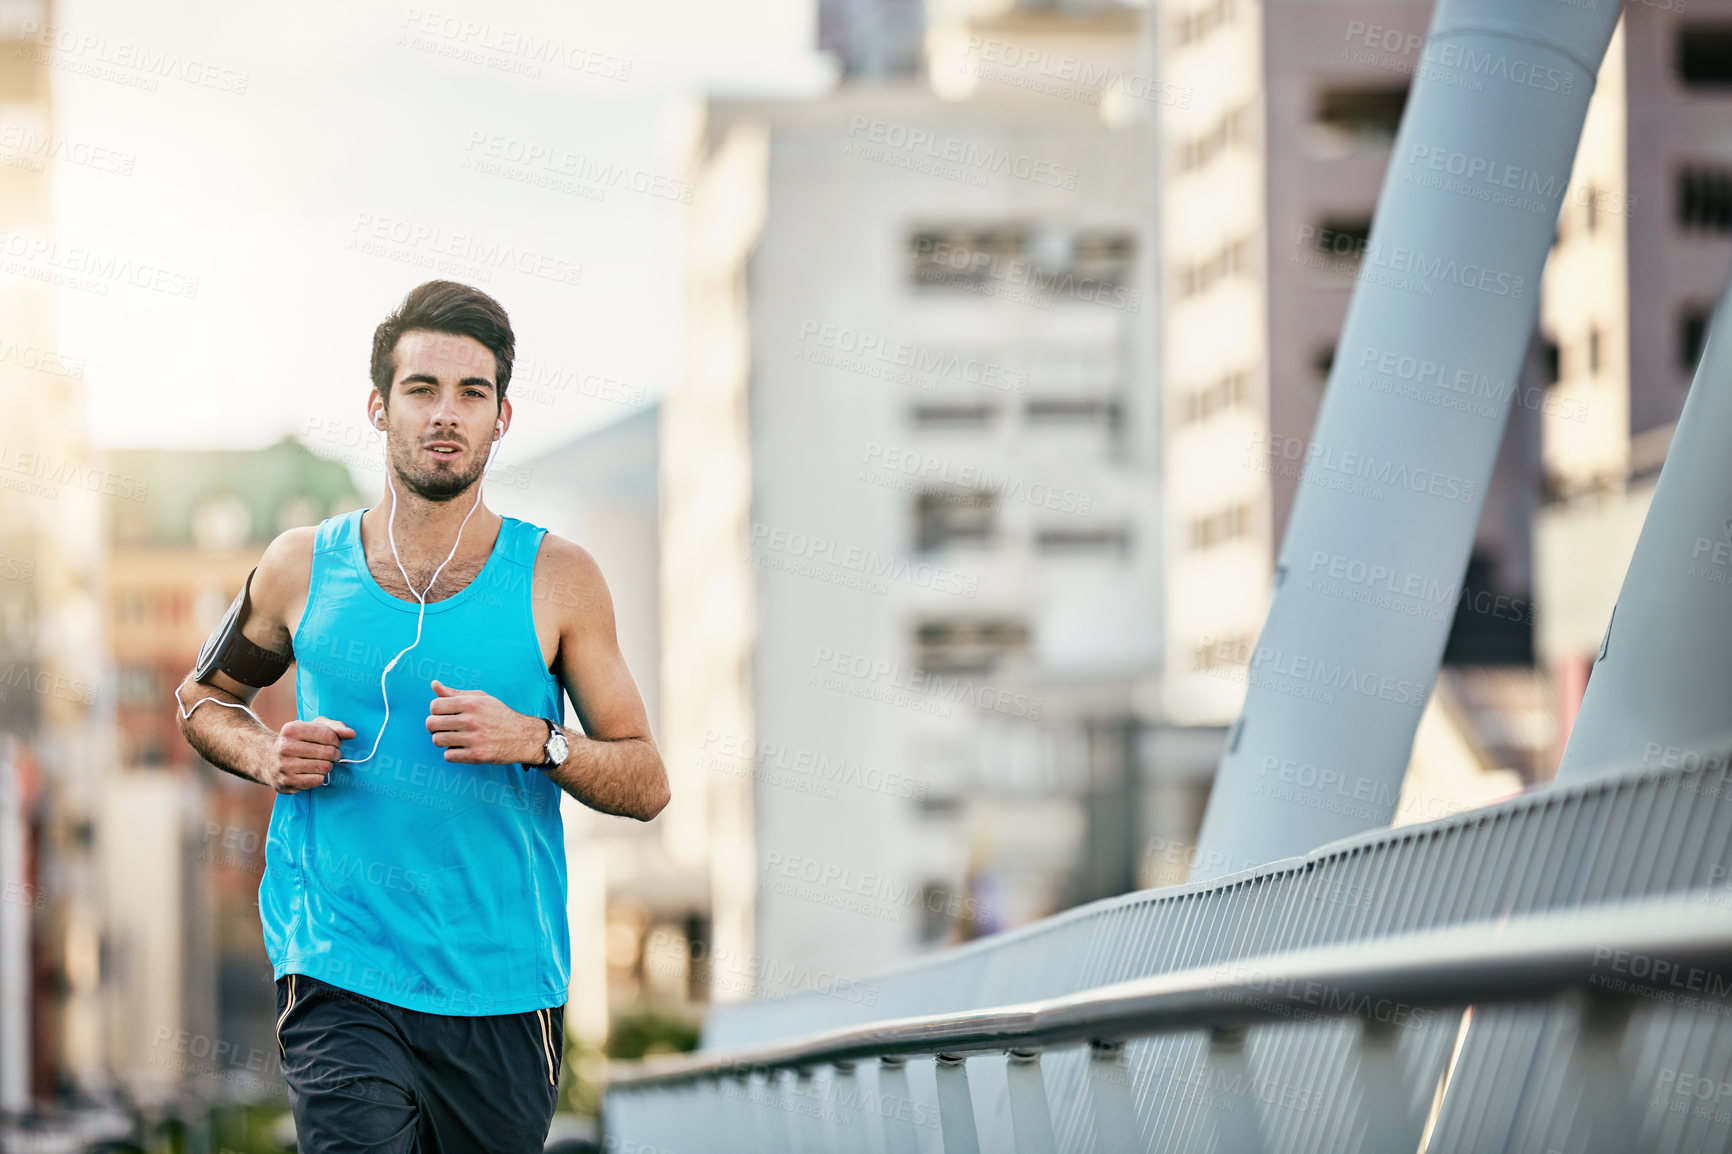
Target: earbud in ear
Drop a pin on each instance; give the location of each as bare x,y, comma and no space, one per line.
498,429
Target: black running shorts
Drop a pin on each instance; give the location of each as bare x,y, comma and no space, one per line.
365,1075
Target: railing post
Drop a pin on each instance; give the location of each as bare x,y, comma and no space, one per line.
732,1111
1030,1117
1236,1129
1605,1115
892,1096
802,1126
1116,1126
1386,1100
847,1134
955,1105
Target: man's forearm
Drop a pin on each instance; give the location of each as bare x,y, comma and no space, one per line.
623,777
227,738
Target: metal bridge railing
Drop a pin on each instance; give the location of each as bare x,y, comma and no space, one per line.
750,1099
1649,837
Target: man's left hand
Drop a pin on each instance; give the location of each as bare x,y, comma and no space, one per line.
478,728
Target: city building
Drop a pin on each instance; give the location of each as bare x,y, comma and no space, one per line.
1643,252
911,544
1271,164
55,715
183,843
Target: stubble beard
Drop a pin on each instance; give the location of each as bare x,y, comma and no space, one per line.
433,483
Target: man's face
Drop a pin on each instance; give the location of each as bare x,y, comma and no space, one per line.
440,422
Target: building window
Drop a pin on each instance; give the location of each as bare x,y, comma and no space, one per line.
1341,241
1228,524
1705,199
976,416
946,517
1192,25
1321,364
1115,539
1079,264
1232,129
1705,55
137,684
1076,410
1225,393
1692,335
970,645
1368,117
1231,260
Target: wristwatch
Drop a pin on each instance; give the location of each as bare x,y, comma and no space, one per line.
555,750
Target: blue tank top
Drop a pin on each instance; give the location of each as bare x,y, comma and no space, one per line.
434,885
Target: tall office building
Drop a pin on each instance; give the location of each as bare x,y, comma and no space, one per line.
910,516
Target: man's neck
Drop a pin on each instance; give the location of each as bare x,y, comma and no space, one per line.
425,531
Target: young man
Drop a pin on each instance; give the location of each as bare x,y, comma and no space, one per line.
413,900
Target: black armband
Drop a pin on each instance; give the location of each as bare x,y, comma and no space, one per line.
228,651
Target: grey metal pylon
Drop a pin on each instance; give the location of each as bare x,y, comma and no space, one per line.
1661,689
1418,396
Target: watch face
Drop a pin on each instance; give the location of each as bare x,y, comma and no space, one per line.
558,747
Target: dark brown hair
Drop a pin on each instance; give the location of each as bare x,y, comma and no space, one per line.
443,306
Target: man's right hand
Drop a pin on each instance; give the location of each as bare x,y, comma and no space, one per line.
305,753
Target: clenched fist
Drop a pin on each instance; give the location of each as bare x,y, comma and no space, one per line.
304,754
478,728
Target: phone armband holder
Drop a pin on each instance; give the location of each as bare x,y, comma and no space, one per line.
231,653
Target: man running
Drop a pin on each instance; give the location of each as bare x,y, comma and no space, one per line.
414,894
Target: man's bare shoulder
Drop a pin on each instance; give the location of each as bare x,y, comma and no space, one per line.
567,575
284,572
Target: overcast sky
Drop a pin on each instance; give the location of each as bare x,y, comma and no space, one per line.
365,126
